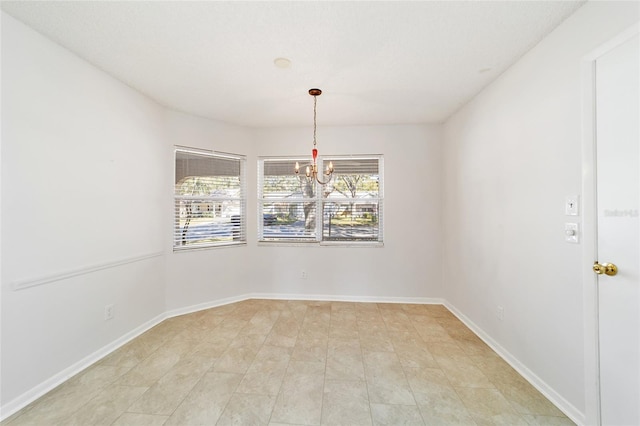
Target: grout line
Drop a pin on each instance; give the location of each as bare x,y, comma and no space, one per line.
364,366
310,315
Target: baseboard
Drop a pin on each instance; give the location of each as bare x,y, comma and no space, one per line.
207,305
36,392
23,400
565,406
362,299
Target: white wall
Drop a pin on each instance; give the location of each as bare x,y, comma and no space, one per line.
511,156
83,185
408,266
199,277
77,146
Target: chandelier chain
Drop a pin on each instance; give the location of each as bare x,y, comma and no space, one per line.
315,102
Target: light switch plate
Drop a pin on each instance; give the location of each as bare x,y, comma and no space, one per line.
571,233
571,203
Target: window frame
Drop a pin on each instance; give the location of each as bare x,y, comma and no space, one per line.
237,239
319,200
262,200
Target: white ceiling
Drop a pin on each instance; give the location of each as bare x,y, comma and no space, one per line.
376,62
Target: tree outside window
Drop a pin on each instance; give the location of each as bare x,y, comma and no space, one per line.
349,205
209,199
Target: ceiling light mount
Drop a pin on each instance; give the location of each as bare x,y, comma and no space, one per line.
312,168
282,63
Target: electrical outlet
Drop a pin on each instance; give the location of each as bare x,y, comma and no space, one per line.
500,313
303,274
108,312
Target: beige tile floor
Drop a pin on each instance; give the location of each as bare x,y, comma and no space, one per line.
268,362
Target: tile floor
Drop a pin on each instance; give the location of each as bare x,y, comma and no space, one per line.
270,362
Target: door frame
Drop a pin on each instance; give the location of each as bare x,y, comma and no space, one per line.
589,226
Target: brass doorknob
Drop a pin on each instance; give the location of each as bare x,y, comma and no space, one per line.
605,268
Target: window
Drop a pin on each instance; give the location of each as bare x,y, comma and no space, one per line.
210,200
347,209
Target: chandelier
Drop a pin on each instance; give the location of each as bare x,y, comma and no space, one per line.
312,168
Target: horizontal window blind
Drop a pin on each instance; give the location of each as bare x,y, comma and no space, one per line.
287,202
293,207
352,203
210,199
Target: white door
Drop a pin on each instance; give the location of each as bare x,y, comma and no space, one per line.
618,231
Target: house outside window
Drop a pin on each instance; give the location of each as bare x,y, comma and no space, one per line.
210,199
348,209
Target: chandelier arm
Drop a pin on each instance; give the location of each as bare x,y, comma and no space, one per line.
314,175
321,182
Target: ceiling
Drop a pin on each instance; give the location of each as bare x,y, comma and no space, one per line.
377,62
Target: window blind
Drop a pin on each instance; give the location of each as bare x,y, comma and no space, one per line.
349,208
210,199
352,202
287,203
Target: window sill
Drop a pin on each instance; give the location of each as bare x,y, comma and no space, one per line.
217,246
361,244
344,244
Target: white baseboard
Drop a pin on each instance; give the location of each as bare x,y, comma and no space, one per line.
565,406
362,299
23,400
36,392
318,297
207,305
